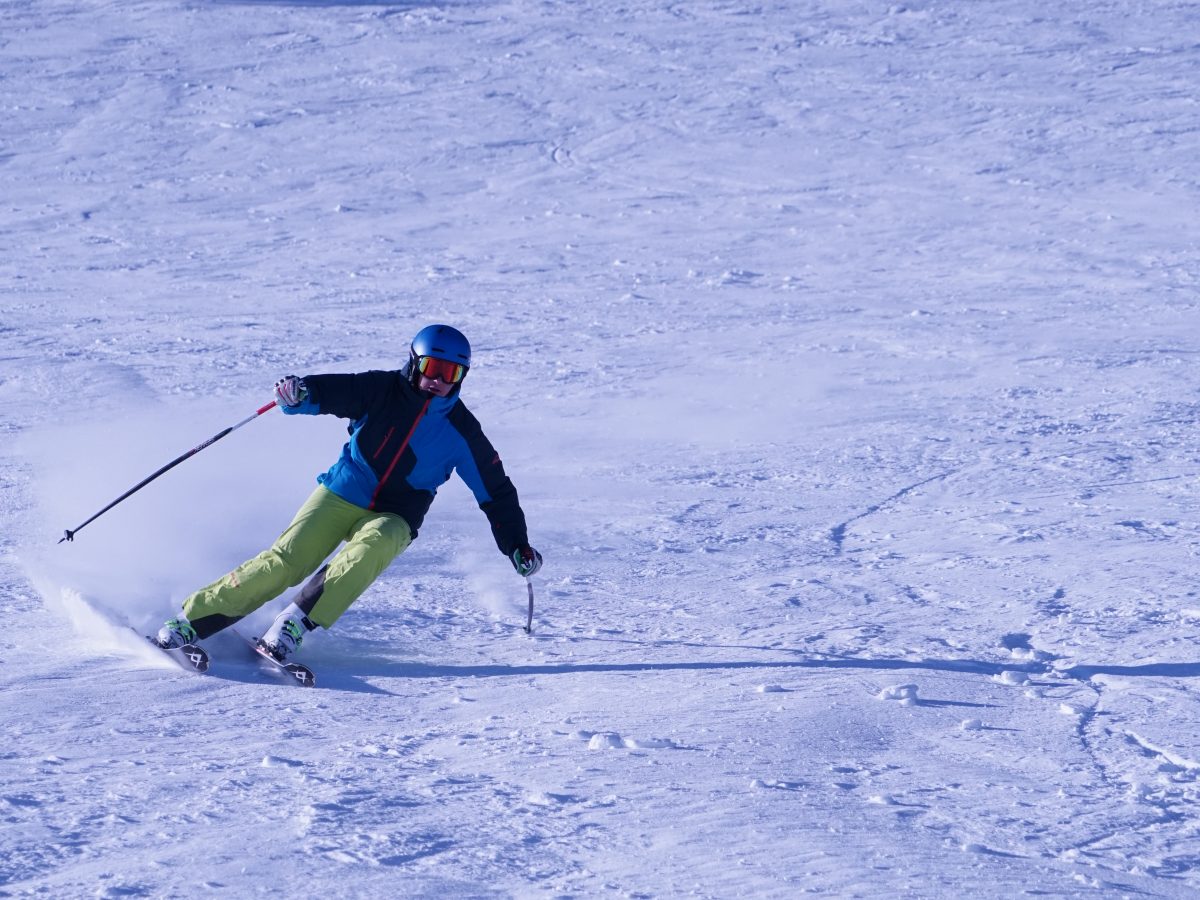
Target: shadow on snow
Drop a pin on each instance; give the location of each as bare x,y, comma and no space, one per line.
966,666
336,677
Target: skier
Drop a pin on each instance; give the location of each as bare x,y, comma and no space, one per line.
409,430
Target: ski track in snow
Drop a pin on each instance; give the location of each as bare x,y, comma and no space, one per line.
846,361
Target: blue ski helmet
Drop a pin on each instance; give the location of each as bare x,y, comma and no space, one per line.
440,342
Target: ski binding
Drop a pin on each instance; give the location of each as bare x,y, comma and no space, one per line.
301,673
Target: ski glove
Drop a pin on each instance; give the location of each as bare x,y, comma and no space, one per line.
526,560
290,391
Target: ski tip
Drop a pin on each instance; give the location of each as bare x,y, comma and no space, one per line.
191,656
302,674
197,657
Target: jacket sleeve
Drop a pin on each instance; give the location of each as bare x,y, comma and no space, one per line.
482,471
345,396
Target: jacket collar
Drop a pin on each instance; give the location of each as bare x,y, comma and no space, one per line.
438,406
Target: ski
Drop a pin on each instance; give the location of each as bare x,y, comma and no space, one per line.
189,656
302,674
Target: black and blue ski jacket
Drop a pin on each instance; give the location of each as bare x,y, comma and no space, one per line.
403,446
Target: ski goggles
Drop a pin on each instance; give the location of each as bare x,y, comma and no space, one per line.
432,367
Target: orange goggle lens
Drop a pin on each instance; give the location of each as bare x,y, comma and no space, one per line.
432,367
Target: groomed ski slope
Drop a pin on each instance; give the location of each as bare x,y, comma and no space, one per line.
845,355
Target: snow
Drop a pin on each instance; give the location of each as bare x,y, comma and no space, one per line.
845,356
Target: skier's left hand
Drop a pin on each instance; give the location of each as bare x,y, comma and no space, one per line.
526,560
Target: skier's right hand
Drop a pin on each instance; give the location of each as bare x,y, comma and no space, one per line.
290,391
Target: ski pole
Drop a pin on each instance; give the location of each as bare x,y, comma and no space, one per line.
69,535
529,617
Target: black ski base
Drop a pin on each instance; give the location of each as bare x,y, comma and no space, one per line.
189,656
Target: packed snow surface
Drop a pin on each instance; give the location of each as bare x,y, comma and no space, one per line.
846,358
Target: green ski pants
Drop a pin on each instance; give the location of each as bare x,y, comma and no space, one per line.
372,541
